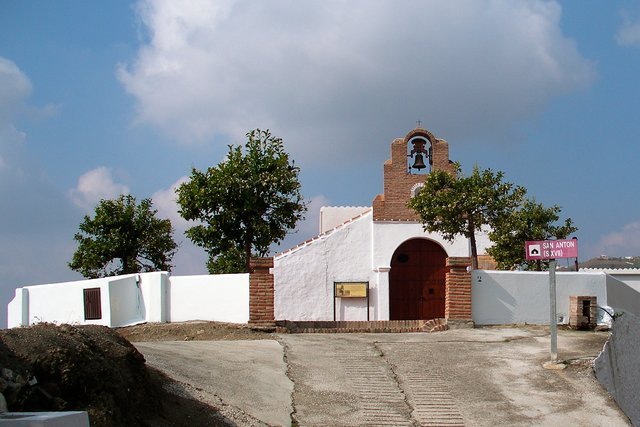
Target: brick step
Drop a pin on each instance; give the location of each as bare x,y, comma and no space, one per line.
377,326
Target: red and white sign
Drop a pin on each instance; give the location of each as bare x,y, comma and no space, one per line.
551,249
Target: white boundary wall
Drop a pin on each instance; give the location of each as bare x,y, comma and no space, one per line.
622,296
223,298
515,297
136,298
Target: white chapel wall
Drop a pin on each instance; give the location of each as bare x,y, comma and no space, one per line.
389,235
304,277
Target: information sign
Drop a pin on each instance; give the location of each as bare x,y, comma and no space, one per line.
551,249
351,289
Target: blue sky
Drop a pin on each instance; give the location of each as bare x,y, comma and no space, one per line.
99,98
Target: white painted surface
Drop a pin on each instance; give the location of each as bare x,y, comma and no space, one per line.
630,276
360,250
221,298
622,296
62,303
508,297
136,298
154,295
333,216
618,366
304,277
126,301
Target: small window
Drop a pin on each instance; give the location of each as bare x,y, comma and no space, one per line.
92,304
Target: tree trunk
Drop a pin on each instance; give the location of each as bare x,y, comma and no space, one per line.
247,247
472,241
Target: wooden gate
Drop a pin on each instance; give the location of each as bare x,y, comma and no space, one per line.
417,281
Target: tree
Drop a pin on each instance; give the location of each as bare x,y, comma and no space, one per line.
244,204
122,238
531,221
452,204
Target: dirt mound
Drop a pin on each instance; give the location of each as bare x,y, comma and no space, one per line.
92,368
191,331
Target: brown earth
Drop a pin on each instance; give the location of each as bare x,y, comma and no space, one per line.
97,369
191,331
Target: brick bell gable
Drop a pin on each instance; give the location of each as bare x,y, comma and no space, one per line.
399,184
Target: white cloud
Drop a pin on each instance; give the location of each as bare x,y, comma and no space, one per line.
15,88
629,32
336,75
95,185
625,242
165,201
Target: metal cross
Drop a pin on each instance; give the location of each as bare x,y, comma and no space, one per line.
419,122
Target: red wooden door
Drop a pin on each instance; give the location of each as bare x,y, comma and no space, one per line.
417,281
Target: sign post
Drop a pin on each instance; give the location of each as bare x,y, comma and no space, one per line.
553,323
551,250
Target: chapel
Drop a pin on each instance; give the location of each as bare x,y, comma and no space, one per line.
377,263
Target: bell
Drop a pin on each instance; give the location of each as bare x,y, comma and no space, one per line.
419,163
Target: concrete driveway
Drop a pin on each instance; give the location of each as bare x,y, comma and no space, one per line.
470,377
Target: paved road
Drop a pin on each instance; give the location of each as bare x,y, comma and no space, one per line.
478,377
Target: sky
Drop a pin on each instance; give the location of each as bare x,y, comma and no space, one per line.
100,98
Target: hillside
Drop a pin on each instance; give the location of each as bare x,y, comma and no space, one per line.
611,262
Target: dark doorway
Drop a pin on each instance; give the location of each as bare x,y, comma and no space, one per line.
417,281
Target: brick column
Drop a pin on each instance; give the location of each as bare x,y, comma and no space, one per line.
458,290
261,292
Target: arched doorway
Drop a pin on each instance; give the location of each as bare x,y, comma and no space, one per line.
417,281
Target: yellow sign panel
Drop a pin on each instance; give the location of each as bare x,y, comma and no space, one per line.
351,289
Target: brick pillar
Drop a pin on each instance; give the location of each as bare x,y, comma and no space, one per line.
458,290
261,292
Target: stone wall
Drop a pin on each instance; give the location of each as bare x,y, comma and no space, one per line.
618,366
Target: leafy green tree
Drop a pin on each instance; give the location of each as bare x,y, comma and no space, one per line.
531,221
244,204
452,204
122,238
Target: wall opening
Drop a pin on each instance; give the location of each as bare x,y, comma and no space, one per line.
417,281
92,304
